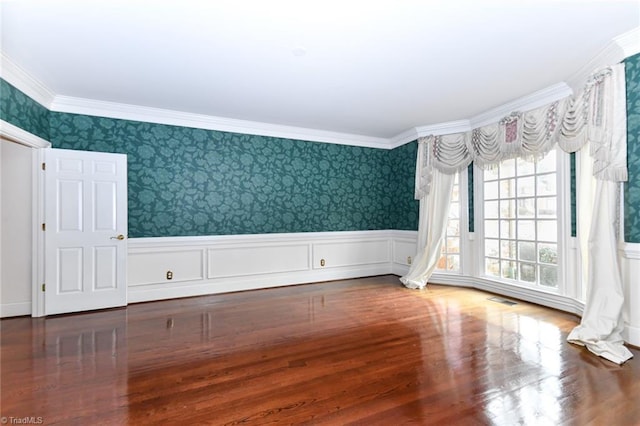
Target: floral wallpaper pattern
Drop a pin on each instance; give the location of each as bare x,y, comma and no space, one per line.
22,111
185,181
632,187
404,209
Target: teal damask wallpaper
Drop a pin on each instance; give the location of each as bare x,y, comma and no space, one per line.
632,187
404,209
185,181
22,111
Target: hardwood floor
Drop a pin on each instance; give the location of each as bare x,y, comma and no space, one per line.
365,351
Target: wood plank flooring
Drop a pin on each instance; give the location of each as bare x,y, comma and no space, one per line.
364,351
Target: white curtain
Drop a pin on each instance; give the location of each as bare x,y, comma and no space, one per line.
596,117
601,326
434,213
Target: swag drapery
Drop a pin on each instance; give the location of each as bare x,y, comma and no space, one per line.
594,121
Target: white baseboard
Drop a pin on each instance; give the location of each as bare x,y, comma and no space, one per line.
631,335
15,309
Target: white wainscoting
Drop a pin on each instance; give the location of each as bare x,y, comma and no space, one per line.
630,265
219,264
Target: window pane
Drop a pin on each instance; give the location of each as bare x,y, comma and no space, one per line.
526,230
548,253
454,210
525,167
549,276
453,245
455,193
491,209
507,169
508,229
453,227
490,190
491,173
547,184
547,230
527,208
526,186
527,251
509,270
508,209
453,263
491,248
492,267
547,207
491,228
528,272
508,188
508,249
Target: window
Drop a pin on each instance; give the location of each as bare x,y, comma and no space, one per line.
521,222
450,260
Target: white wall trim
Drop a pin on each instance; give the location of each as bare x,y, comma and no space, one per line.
629,42
526,103
16,134
620,48
534,100
23,81
15,309
630,250
219,264
73,105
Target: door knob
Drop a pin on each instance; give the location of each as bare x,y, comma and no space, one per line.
119,237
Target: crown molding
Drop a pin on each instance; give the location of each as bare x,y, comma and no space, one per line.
620,48
526,103
446,128
15,134
74,105
23,81
403,138
629,42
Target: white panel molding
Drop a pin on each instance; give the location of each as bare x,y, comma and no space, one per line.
630,250
245,262
15,134
630,267
23,81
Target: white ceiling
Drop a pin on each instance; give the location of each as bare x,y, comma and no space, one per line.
372,68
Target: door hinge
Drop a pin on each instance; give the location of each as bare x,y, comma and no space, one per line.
44,166
43,287
44,226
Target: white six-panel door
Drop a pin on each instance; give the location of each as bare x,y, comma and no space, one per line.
85,230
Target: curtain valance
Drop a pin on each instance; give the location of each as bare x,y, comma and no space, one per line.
596,115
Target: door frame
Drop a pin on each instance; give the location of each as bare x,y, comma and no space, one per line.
15,134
